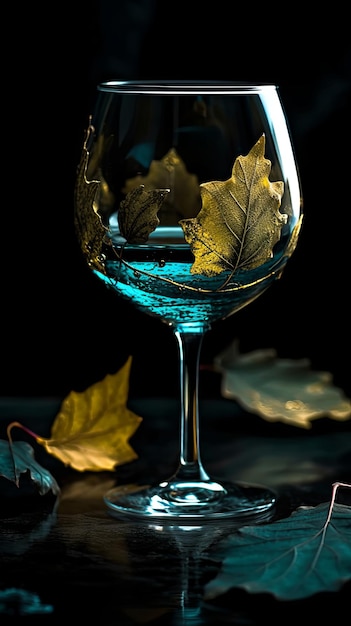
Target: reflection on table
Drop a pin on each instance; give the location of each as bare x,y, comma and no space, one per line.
70,559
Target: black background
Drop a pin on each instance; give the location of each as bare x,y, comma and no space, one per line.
60,328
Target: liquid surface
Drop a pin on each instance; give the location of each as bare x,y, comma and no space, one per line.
158,281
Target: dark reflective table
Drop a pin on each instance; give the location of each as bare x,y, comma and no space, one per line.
68,560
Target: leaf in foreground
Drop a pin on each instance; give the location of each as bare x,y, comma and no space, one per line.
20,461
291,559
92,430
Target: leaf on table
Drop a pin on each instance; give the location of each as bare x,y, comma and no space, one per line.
291,559
280,389
21,460
239,222
93,428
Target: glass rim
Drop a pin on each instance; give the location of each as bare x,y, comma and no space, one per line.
184,87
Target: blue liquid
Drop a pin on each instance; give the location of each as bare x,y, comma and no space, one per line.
165,288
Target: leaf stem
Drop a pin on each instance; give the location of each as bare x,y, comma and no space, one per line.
333,498
19,425
326,523
9,436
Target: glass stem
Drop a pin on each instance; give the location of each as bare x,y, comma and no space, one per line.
189,344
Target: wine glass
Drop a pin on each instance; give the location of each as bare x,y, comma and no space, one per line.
188,204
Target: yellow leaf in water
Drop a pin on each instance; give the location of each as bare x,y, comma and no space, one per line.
92,430
239,222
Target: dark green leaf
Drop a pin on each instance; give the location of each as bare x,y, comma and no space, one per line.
291,559
22,460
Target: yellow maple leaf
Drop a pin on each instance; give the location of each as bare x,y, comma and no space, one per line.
92,429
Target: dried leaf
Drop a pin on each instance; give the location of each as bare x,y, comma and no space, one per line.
18,458
291,559
92,429
137,215
91,231
170,173
239,222
280,389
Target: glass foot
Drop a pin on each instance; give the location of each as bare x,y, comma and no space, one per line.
192,500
